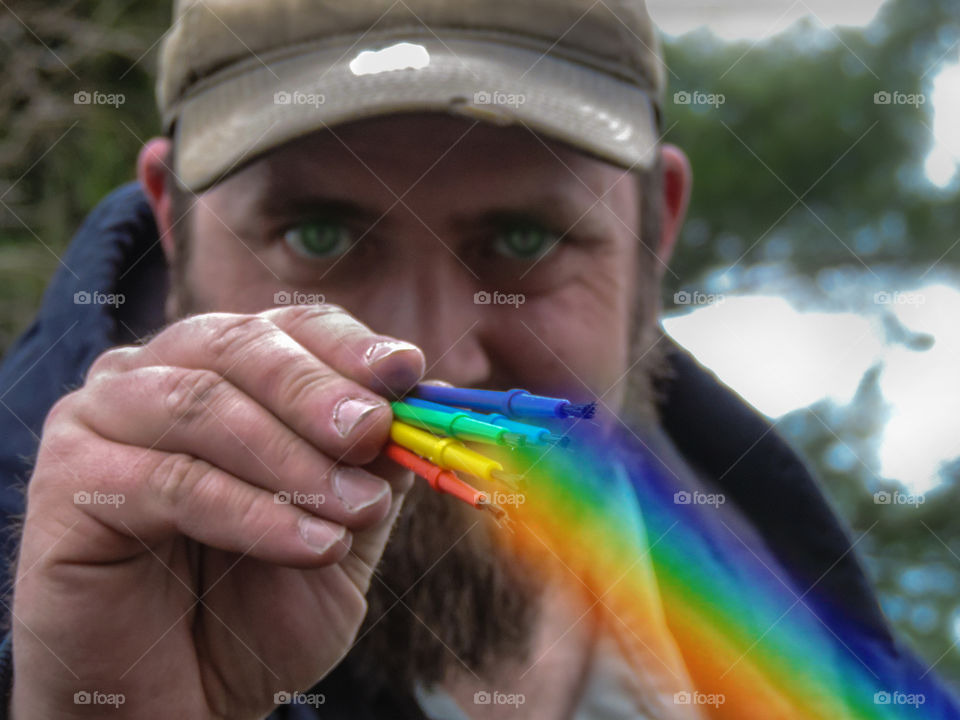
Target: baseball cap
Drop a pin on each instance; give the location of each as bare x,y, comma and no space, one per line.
238,78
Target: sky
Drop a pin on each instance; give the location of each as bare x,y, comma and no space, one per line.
780,358
756,19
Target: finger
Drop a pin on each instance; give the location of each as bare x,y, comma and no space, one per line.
199,413
149,496
341,417
367,548
383,363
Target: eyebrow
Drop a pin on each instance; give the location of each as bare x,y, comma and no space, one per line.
282,204
554,211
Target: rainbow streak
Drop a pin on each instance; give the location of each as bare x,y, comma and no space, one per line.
744,633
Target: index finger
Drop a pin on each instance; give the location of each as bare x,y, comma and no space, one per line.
385,364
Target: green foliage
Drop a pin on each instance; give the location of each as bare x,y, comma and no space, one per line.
60,158
799,164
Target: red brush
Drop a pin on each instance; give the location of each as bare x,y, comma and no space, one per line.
443,481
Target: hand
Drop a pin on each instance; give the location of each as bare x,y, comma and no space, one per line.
205,514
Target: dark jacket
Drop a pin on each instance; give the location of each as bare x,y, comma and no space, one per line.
705,426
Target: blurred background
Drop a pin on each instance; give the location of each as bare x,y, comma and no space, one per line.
818,274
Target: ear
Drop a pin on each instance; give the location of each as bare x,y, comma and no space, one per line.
677,183
152,174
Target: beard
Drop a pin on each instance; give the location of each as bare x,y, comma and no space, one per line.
448,593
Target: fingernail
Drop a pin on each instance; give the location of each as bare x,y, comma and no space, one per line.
378,351
350,411
358,489
320,535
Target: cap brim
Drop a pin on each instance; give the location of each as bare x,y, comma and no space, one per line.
250,108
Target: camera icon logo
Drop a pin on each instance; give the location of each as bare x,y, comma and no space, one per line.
281,498
281,697
82,697
82,97
282,97
81,298
681,698
681,498
81,497
682,97
482,97
282,297
681,298
481,297
881,698
882,98
882,497
481,697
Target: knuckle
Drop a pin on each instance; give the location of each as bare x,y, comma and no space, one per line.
306,313
312,382
176,478
236,333
113,360
190,393
335,321
249,510
63,409
288,448
62,456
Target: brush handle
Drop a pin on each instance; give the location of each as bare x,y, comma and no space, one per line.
515,403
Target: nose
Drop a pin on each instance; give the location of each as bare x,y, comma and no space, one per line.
433,307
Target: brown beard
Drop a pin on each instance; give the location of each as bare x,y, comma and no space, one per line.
446,596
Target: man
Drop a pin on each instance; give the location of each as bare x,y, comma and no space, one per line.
339,187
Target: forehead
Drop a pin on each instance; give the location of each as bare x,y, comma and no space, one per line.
436,155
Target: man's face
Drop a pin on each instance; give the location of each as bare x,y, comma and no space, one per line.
412,222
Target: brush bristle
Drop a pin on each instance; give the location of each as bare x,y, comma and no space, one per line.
581,410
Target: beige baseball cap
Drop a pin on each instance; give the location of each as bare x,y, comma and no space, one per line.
238,78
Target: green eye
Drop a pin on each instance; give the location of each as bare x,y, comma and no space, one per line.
525,242
318,238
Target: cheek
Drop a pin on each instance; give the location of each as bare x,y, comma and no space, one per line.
576,338
226,273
